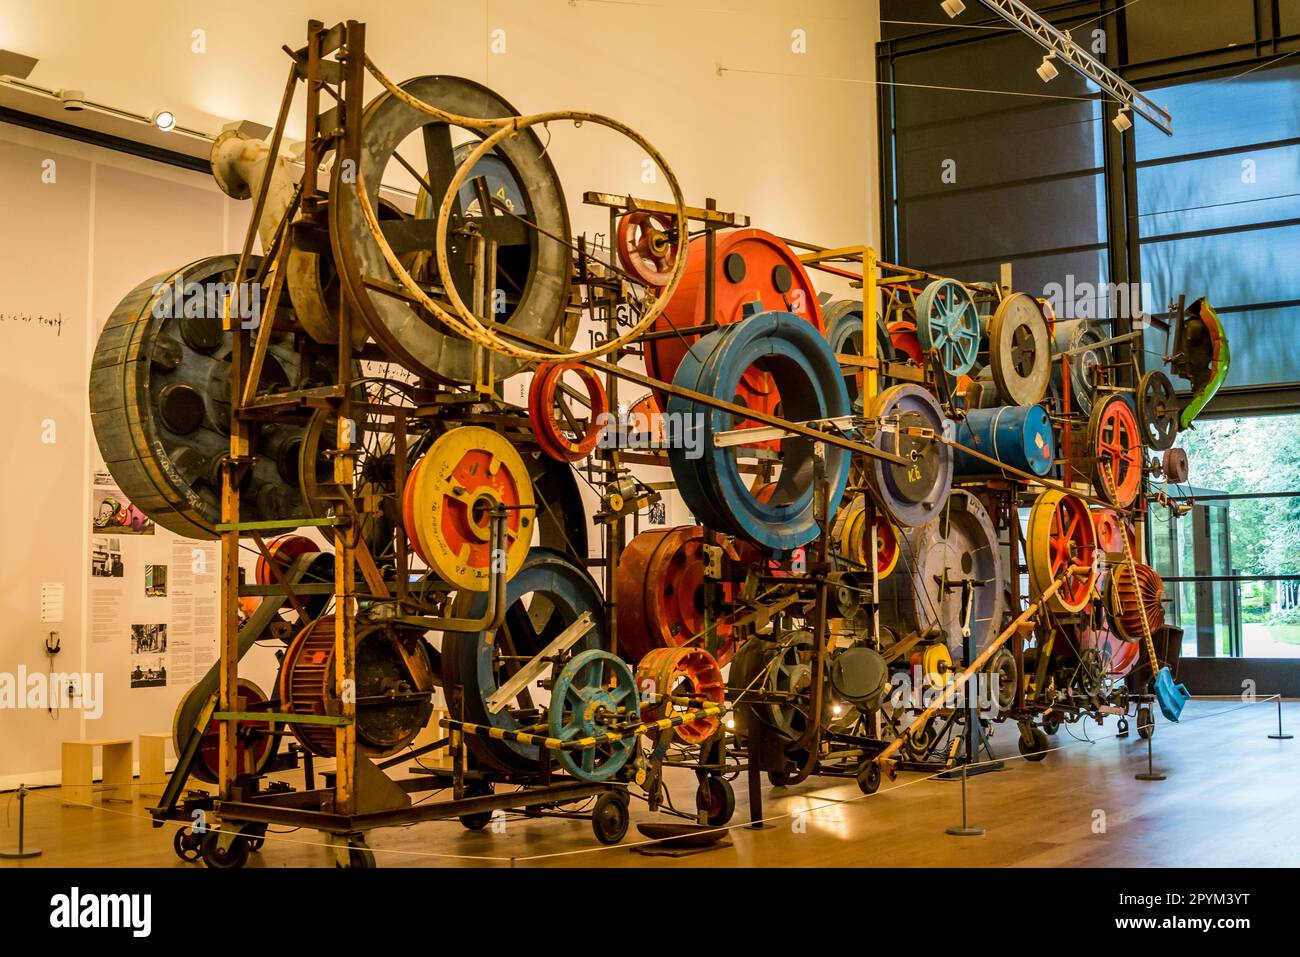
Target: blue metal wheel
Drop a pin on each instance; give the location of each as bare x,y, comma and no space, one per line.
594,689
948,323
808,378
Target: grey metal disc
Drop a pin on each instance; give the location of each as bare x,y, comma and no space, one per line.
925,589
1072,335
1020,350
538,264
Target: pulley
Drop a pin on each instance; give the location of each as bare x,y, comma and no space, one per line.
1116,444
1060,534
1087,360
562,434
911,425
660,587
949,576
859,675
851,536
548,594
684,674
1123,593
533,260
1157,408
1117,655
283,550
1020,350
750,266
843,318
256,742
1003,677
948,324
160,400
592,694
933,662
806,379
1174,465
468,472
647,247
394,685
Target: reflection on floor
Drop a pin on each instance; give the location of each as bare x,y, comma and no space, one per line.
1229,800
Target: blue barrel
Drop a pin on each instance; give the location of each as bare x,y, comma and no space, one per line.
1019,436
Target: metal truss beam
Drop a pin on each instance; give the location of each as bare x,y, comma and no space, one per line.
1056,42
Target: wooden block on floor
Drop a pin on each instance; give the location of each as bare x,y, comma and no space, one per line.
79,769
153,763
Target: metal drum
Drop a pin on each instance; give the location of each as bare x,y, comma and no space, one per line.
1019,436
949,575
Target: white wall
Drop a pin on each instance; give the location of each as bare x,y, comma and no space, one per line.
792,146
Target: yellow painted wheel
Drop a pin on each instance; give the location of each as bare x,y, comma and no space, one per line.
1061,534
935,662
463,476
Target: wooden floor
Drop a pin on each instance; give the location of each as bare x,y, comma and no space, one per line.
1230,799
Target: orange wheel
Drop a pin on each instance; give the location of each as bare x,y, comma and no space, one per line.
902,333
560,433
1116,442
1060,535
646,246
666,673
1122,597
283,550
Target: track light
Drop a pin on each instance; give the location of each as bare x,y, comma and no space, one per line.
1047,71
1121,121
953,8
165,120
73,100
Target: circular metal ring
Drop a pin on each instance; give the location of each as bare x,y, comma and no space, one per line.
949,575
1020,350
1061,534
594,689
911,494
533,260
256,742
1116,443
1158,410
547,595
948,323
843,318
667,673
467,473
807,379
660,593
552,419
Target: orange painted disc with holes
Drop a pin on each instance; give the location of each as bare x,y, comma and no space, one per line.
1116,441
560,434
667,673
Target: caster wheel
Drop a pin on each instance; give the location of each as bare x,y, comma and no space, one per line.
1146,722
1036,748
610,817
1051,724
359,855
869,778
476,822
717,799
256,837
1121,728
234,856
187,845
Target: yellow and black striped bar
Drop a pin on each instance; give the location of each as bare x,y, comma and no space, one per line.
579,744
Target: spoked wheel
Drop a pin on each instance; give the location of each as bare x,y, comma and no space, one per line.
610,817
717,799
187,844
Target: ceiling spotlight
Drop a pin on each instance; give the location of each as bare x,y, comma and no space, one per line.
1047,71
1121,121
953,8
73,99
165,120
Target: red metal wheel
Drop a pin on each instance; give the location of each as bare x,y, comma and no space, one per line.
409,524
666,673
283,550
646,246
750,265
1060,535
255,741
1116,442
902,334
560,433
660,593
